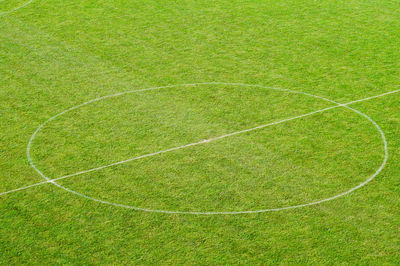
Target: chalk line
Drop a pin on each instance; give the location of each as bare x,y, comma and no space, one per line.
15,9
221,137
209,140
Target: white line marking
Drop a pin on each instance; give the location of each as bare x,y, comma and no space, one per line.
168,150
48,180
195,143
22,188
223,136
15,9
256,211
373,97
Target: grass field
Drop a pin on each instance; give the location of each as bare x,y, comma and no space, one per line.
196,131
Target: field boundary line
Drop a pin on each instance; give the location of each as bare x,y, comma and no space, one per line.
203,141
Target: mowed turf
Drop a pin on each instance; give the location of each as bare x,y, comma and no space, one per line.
55,55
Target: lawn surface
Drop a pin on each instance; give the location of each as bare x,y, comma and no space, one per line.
55,55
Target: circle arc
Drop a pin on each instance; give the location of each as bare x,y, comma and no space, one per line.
383,138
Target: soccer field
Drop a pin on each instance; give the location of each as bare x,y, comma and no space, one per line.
199,132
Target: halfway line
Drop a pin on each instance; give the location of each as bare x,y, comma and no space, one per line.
199,142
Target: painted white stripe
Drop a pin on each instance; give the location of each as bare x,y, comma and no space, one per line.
212,139
223,136
15,9
195,143
373,97
22,188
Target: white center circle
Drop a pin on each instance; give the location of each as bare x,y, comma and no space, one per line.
337,105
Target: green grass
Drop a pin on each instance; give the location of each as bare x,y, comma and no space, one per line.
57,54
